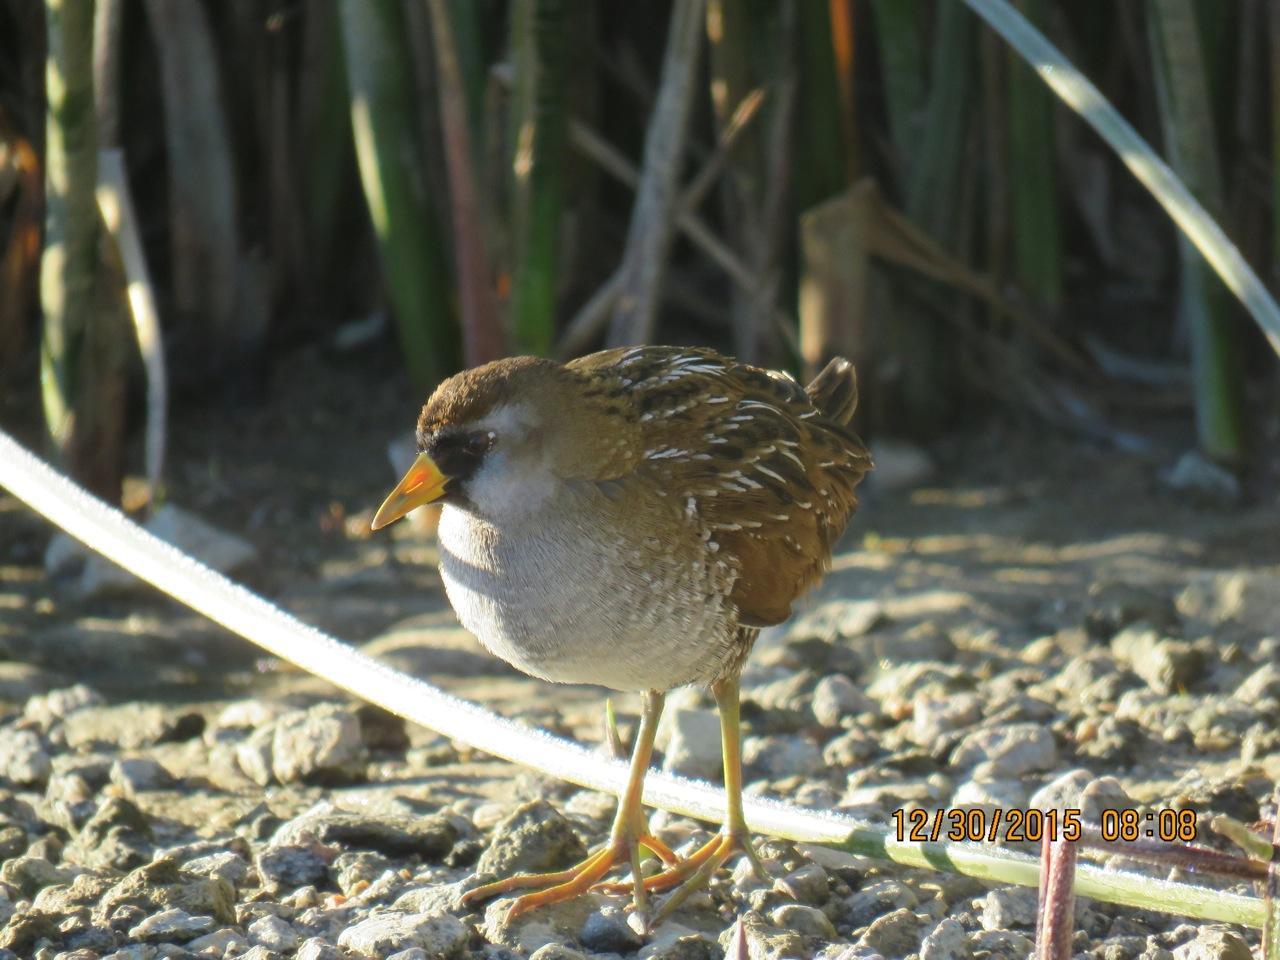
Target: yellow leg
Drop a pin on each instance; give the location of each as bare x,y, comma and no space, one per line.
690,875
629,833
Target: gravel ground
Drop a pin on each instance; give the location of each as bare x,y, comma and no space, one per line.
982,643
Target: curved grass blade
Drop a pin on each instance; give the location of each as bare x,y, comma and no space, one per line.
1084,98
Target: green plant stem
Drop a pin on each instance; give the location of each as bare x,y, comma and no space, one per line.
1189,129
1037,233
537,168
68,265
390,158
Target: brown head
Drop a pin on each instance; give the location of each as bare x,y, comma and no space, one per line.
497,440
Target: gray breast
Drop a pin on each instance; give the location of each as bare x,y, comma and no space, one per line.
574,602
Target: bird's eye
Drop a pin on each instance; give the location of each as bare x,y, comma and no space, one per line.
479,443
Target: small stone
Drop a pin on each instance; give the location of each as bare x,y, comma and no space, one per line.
607,931
384,933
1214,942
161,884
29,875
556,951
851,749
134,951
946,941
314,948
802,919
272,932
171,926
229,866
874,899
1081,790
553,923
23,760
130,726
1113,605
319,745
836,697
47,708
138,774
1262,684
895,934
287,867
761,941
990,793
535,837
259,952
693,749
1007,752
431,837
934,717
782,756
118,836
1167,666
1000,945
220,943
1004,909
1200,478
254,756
809,884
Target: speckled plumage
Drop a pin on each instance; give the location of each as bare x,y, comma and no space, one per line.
643,511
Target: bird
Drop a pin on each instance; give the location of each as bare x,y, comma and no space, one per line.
632,519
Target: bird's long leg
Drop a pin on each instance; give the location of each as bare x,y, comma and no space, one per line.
690,875
629,833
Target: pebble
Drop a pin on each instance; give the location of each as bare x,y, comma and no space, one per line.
782,756
1006,752
1004,909
752,936
385,933
220,943
606,931
272,932
946,941
1000,944
139,774
895,934
319,745
229,866
1214,943
534,837
172,926
1166,665
556,951
315,948
693,749
287,867
836,697
802,919
808,884
23,759
933,717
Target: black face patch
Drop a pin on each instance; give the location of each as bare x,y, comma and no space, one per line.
458,454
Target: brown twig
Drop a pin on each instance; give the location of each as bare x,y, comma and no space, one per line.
482,336
1055,917
653,217
587,323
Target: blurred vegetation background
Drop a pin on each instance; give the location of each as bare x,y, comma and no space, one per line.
189,189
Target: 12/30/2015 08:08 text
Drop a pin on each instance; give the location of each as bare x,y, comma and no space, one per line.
1015,824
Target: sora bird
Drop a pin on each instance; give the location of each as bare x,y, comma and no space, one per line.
632,519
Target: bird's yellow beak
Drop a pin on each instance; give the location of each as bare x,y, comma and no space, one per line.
423,484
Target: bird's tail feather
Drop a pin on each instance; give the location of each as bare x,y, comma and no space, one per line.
834,391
